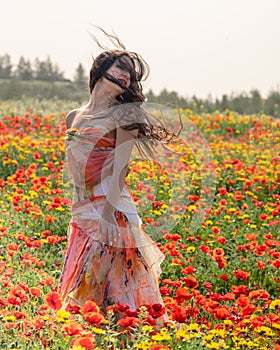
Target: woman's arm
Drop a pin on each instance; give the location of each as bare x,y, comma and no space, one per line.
125,140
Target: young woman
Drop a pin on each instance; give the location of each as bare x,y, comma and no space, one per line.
109,259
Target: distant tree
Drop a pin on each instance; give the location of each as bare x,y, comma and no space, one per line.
255,105
5,67
151,97
272,104
24,70
80,77
47,71
224,103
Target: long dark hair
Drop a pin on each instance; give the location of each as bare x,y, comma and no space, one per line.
151,130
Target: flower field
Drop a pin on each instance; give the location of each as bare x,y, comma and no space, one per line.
220,280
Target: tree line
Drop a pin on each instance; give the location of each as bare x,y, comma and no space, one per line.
244,103
39,69
42,71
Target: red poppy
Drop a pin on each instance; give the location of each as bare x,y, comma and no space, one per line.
179,313
157,310
53,300
260,294
207,285
129,322
240,290
222,263
222,190
188,270
261,265
94,318
204,248
190,281
263,216
275,263
87,342
89,306
224,277
72,328
218,253
241,274
35,292
220,239
221,313
183,294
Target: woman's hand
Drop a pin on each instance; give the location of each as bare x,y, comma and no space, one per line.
108,226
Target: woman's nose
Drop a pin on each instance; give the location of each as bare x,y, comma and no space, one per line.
125,74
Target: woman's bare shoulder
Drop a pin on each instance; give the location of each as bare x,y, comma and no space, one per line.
70,117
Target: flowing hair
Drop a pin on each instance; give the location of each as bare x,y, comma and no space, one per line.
151,130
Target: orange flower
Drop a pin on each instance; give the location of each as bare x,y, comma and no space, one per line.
129,322
261,265
251,236
182,294
89,306
189,269
221,313
53,300
218,253
190,281
72,328
239,290
275,263
35,292
87,342
94,318
220,239
53,239
260,294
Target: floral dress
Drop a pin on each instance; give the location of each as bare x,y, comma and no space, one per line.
94,269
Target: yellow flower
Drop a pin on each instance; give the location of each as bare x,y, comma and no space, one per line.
147,328
213,345
263,329
60,209
10,318
191,207
208,337
227,322
181,332
194,327
110,339
219,332
63,316
242,330
190,249
274,304
163,335
144,345
98,330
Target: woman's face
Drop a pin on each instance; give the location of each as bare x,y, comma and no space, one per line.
120,73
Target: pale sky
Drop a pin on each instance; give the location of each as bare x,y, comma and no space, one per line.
196,47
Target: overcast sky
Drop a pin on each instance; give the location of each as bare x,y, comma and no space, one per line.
196,47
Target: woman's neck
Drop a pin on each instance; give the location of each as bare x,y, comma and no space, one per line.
100,100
